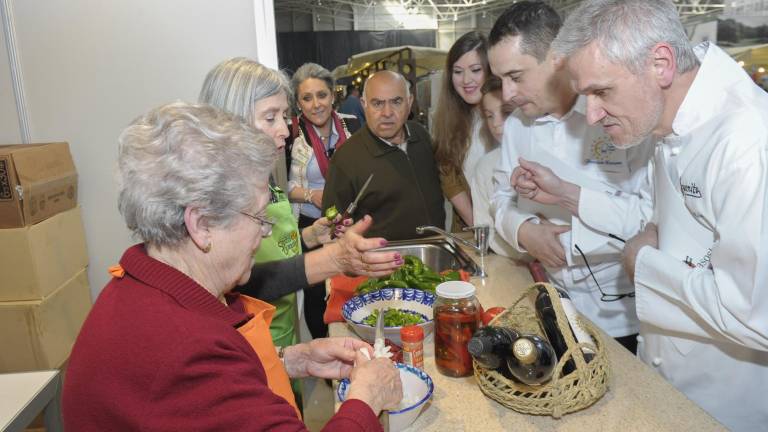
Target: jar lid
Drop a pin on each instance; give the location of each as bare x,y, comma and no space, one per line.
455,290
411,333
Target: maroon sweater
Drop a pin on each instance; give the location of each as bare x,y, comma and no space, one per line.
160,353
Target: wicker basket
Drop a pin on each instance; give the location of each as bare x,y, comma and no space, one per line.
562,394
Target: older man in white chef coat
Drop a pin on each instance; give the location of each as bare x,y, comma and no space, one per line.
700,277
550,127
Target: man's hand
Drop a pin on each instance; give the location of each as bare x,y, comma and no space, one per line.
542,242
540,184
648,237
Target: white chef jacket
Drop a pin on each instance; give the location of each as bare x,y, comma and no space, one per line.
705,328
482,193
586,156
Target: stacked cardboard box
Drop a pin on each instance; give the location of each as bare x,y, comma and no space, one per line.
44,293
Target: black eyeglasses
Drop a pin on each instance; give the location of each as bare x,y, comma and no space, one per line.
603,296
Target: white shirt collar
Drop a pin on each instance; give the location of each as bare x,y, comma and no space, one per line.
580,106
404,145
716,72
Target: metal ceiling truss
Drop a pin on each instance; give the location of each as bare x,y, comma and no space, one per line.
453,10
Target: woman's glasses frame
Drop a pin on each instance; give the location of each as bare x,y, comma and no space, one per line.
266,223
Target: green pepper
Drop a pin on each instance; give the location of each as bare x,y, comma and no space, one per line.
331,213
427,286
399,274
367,286
452,275
430,277
393,284
415,265
411,281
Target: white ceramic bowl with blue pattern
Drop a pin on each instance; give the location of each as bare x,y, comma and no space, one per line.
417,389
356,309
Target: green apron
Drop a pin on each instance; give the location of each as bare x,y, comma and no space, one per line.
283,243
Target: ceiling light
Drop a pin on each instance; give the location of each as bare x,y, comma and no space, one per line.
455,16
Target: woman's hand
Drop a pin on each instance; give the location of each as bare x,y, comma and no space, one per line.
375,382
317,198
323,358
352,254
319,232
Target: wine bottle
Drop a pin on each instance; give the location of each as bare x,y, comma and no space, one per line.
490,347
546,314
532,360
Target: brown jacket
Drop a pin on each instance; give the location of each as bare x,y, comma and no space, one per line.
405,190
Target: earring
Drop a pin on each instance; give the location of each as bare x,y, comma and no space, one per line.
207,248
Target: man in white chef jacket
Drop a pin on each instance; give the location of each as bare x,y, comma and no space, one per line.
550,128
700,277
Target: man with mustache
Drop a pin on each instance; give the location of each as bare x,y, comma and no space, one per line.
700,271
550,128
405,190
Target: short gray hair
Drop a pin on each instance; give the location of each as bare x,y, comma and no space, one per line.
626,30
311,70
181,155
237,84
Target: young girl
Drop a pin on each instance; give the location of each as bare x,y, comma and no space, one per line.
495,113
458,121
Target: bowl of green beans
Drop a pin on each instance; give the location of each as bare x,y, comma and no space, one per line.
401,307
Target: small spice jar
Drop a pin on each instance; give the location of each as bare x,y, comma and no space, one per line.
412,337
457,315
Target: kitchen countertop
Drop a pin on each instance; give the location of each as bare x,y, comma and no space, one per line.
638,399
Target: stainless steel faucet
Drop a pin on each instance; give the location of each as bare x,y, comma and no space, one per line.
480,246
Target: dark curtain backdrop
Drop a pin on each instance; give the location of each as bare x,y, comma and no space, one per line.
333,48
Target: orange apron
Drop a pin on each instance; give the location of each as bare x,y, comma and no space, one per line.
256,332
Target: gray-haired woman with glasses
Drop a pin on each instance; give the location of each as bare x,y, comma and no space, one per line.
260,97
168,345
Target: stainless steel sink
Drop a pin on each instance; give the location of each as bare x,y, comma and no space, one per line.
438,254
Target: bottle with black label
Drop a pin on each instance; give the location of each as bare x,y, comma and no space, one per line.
546,314
532,360
490,347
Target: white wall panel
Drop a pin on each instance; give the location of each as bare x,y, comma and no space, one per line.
91,66
9,120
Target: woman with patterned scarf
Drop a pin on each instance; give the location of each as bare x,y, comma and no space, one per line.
317,132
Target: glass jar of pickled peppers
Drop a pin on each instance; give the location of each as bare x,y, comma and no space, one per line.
456,316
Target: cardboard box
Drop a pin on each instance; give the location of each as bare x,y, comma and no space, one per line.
36,182
36,260
37,335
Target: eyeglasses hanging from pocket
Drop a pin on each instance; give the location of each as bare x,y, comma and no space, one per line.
603,296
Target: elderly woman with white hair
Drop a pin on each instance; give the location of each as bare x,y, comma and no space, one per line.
168,345
260,97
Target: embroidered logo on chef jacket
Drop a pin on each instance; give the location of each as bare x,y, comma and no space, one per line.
602,152
690,189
